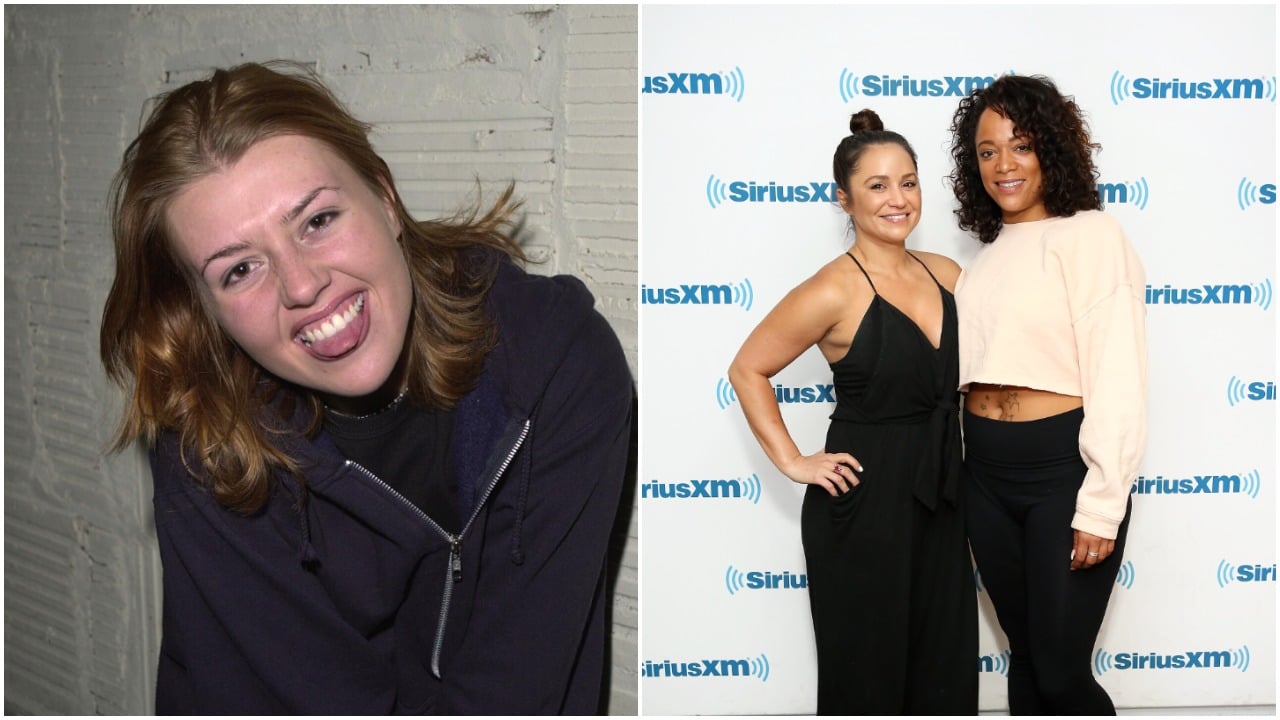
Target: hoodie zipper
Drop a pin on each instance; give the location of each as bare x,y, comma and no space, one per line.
453,573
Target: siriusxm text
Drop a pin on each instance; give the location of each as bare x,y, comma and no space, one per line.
1194,485
907,86
785,580
684,84
1204,295
1255,573
741,191
687,295
1214,89
1153,661
707,489
697,668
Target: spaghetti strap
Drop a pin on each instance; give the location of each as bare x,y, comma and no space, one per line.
864,272
926,269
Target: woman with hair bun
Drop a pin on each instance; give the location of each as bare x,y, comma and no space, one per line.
890,580
386,459
1054,370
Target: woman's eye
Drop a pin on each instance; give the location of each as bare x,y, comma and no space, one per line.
236,274
322,220
877,186
984,154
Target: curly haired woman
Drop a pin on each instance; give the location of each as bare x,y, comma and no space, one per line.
1054,371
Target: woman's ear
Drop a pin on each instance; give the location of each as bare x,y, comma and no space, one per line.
845,203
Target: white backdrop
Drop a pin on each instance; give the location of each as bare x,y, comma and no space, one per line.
1182,99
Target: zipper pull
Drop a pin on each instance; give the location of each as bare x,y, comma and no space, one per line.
455,560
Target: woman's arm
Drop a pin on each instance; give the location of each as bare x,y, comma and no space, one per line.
808,314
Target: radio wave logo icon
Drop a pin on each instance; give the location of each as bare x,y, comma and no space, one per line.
1240,658
1124,578
1139,193
760,668
995,662
1119,88
1101,662
1236,391
1262,294
1251,483
1248,193
734,580
717,191
1226,573
1271,89
735,85
725,394
751,488
743,295
848,85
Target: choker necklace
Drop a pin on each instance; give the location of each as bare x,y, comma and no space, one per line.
389,406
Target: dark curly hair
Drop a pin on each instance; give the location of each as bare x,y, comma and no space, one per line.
1059,135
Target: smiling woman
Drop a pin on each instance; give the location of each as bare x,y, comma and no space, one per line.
889,580
387,460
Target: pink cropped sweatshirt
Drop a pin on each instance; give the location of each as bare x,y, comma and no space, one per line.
1057,305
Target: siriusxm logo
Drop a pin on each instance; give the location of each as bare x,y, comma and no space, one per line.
741,295
1124,576
1152,88
1234,484
747,488
749,191
995,662
730,83
809,394
1238,391
736,580
1248,193
1135,193
1238,659
1228,573
1258,294
757,667
870,85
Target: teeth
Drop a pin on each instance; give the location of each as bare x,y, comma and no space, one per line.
333,324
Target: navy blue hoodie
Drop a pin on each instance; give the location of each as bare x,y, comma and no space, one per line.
360,604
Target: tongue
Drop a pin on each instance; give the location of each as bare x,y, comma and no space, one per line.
338,345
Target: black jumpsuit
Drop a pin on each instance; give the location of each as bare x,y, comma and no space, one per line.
890,580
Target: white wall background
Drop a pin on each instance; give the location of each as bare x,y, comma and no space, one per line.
541,94
1191,180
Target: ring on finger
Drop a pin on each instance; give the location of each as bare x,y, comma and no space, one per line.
1092,554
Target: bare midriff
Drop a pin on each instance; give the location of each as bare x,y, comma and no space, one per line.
1012,403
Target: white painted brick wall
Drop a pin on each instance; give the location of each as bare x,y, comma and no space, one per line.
544,95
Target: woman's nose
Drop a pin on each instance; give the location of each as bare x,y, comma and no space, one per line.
301,278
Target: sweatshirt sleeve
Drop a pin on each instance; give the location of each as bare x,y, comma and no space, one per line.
1105,283
535,643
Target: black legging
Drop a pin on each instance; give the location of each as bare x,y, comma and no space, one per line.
1023,480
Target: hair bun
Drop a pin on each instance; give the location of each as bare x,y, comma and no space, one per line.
864,120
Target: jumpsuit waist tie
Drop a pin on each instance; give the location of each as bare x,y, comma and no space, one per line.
938,473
